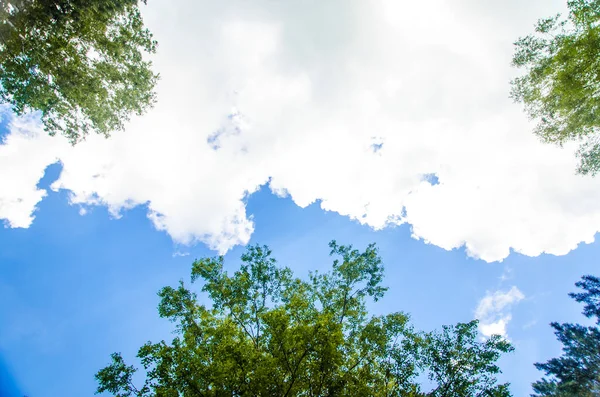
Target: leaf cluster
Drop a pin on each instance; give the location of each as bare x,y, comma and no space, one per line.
577,371
268,333
80,63
561,86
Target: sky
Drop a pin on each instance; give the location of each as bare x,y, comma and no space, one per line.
291,124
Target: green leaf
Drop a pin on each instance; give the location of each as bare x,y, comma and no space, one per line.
561,85
79,63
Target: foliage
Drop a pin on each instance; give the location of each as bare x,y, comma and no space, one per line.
561,88
268,333
79,62
460,366
577,371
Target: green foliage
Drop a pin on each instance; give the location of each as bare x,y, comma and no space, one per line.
79,62
577,371
268,333
460,366
561,88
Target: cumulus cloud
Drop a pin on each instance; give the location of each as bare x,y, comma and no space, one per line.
357,104
493,311
24,155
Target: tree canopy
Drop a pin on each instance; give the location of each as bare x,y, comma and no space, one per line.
561,87
577,372
268,333
79,63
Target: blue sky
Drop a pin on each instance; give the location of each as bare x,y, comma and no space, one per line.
76,288
290,125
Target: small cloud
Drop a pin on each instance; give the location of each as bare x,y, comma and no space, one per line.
178,253
507,274
495,328
530,324
82,211
493,311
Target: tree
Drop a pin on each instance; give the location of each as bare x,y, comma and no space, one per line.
577,371
561,87
268,333
78,62
460,366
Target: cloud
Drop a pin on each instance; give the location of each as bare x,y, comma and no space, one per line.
493,311
507,274
357,104
24,155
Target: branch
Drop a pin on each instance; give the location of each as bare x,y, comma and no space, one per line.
242,325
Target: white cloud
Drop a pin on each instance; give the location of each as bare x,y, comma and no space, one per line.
507,274
493,311
310,88
495,328
24,155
